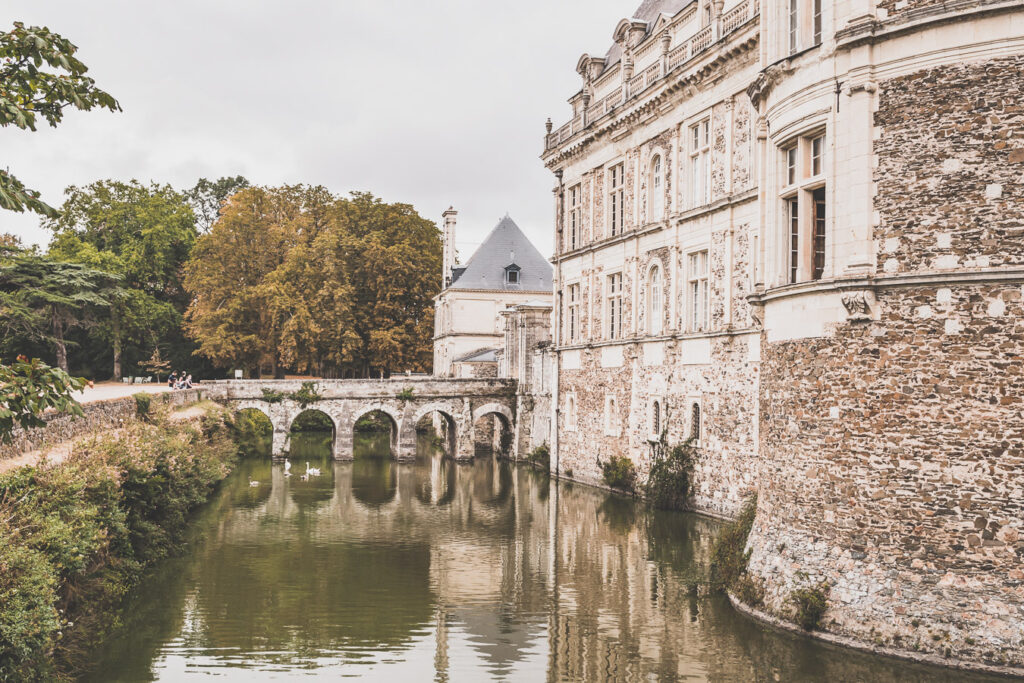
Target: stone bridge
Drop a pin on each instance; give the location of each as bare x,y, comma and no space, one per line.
454,405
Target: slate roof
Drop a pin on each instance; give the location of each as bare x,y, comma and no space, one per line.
506,245
647,11
479,356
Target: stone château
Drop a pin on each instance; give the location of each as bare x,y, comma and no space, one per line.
793,231
506,270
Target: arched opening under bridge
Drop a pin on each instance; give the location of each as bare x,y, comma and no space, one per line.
375,435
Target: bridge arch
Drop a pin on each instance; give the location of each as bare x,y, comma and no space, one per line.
499,432
452,429
488,408
396,420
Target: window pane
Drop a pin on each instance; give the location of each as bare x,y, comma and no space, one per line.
794,239
819,234
817,150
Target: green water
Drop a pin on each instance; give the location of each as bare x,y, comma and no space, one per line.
444,572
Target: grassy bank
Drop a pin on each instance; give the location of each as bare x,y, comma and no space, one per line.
77,536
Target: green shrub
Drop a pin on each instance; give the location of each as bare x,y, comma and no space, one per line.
728,554
406,394
272,396
810,605
619,473
750,590
307,395
668,484
312,421
540,457
77,536
143,405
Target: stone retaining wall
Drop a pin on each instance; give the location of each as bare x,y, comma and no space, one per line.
98,416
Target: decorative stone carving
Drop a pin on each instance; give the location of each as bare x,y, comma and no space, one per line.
858,304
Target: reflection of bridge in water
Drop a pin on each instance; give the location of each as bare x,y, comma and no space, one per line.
459,407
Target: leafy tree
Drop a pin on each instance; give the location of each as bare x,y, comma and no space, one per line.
40,77
144,235
208,197
41,299
391,256
9,243
227,277
30,387
296,278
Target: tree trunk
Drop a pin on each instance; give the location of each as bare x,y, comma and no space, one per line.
58,340
115,321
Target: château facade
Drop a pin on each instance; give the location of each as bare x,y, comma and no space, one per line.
793,232
506,270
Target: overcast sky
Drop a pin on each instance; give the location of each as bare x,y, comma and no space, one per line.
433,103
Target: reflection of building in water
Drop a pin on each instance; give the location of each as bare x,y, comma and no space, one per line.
499,574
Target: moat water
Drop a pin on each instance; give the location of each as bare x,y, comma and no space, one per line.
446,572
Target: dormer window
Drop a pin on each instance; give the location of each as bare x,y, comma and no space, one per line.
512,274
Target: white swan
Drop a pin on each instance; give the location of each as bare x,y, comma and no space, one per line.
253,484
312,471
287,468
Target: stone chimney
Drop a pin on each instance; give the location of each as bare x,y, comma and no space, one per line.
448,253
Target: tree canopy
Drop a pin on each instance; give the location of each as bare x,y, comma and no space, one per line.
294,277
41,299
40,77
142,234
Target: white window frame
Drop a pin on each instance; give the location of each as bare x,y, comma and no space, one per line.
573,321
655,413
804,206
699,136
570,411
656,189
616,181
611,415
613,305
698,290
575,218
655,300
691,402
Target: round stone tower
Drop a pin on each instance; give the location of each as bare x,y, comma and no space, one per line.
892,272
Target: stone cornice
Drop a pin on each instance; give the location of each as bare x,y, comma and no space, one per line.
677,336
871,30
670,91
978,276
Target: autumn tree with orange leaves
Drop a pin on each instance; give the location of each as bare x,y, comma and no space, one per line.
296,279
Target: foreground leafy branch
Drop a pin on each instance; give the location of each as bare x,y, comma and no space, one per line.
28,388
40,77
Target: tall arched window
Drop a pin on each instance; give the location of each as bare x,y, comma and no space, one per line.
657,189
656,419
654,307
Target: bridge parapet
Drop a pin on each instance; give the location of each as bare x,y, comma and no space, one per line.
405,400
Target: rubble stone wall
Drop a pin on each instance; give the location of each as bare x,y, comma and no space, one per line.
98,416
892,449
